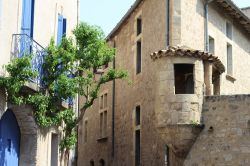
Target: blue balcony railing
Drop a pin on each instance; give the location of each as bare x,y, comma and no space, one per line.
23,45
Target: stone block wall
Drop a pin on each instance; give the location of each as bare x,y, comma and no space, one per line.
225,140
171,108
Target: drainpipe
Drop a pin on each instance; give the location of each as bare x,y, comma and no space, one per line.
113,112
206,25
167,22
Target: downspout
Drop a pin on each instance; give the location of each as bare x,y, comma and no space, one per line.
206,25
113,111
167,22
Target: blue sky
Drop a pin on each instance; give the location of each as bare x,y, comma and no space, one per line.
107,13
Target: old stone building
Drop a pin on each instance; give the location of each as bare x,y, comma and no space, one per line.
28,26
187,60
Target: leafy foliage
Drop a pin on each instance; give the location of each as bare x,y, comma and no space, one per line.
68,71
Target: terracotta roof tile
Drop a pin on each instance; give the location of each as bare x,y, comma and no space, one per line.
188,52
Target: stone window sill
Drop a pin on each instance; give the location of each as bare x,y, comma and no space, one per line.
230,78
102,139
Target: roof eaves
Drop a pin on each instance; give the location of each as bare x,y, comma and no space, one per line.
236,13
238,10
126,16
245,8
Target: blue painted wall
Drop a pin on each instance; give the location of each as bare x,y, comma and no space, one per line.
9,140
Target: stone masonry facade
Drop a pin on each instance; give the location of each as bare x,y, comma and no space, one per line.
225,140
200,128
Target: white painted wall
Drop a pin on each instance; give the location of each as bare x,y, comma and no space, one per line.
192,35
45,27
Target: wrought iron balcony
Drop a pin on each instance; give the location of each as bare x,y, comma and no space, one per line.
23,45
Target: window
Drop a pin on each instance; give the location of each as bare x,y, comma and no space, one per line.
137,148
92,163
167,155
138,57
216,81
103,101
139,26
103,115
229,60
229,30
211,45
103,124
184,78
85,131
102,162
137,115
61,28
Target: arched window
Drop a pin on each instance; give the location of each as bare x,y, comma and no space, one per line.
102,162
92,163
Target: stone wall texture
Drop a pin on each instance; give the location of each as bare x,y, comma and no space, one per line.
153,88
140,92
225,140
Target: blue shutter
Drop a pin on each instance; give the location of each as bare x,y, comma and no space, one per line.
64,26
59,29
27,17
27,25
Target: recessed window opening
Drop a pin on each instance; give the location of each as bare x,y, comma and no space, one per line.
229,30
184,78
86,131
102,162
92,163
229,60
137,148
211,45
137,115
138,57
216,81
167,163
139,26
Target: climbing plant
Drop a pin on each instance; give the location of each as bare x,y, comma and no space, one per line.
68,70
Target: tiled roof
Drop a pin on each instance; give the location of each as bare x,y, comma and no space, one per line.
187,52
